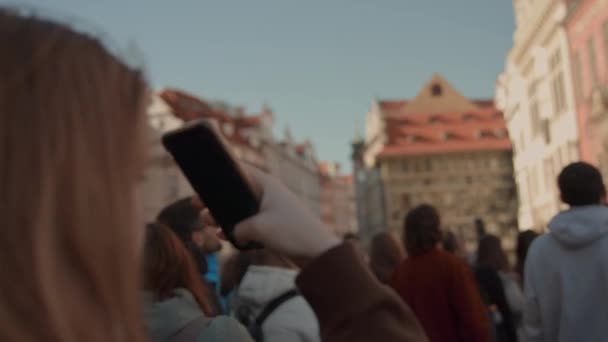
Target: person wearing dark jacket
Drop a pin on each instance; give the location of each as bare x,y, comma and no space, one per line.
499,287
439,286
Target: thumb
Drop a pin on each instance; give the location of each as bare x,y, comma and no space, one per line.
246,231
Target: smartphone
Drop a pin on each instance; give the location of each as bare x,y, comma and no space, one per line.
214,174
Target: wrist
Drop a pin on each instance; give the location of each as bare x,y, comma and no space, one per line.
324,244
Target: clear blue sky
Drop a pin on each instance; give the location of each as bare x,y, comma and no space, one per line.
317,63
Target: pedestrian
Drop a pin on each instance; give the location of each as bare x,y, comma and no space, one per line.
72,128
566,271
386,253
439,286
500,288
176,305
184,218
267,301
524,240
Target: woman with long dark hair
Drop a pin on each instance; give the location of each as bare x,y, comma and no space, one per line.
499,287
175,301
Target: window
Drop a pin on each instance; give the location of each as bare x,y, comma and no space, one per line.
557,83
535,123
577,75
436,90
592,61
559,98
546,129
404,166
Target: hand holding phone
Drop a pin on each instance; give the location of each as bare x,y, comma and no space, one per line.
214,175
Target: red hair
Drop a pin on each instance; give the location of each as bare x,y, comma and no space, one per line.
168,266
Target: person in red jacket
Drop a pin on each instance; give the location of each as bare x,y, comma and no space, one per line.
438,286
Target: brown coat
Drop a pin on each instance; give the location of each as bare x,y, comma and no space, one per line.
442,292
351,304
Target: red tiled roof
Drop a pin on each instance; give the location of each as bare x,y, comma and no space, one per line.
483,129
392,107
188,107
248,121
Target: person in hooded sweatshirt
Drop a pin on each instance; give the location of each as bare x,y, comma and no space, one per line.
566,272
176,306
265,276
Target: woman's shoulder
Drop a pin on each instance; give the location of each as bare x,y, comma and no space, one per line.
224,329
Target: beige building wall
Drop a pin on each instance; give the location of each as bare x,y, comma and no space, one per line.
375,137
338,208
163,182
298,173
536,96
462,186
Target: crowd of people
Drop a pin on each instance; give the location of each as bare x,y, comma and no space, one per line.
79,264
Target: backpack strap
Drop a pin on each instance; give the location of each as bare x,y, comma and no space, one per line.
191,330
274,304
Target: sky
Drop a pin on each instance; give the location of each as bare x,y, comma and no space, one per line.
319,64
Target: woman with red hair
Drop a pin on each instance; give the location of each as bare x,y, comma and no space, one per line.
176,305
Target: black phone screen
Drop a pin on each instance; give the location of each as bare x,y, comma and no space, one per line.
214,175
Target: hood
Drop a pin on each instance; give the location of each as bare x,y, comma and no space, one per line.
164,319
580,226
261,284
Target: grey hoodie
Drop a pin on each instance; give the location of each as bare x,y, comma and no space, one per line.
567,279
164,320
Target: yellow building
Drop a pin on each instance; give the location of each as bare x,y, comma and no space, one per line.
443,149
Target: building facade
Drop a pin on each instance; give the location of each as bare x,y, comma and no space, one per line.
587,27
296,166
337,199
163,182
535,93
251,139
443,149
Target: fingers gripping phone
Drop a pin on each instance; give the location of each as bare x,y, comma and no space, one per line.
214,175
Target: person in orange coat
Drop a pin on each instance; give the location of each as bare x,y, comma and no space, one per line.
438,286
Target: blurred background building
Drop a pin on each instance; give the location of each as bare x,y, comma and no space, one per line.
587,27
442,149
553,94
251,139
338,209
